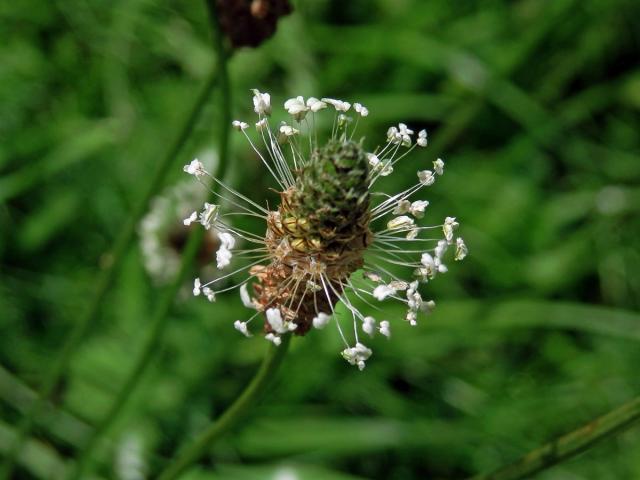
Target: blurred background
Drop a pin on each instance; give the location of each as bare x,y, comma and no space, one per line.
533,104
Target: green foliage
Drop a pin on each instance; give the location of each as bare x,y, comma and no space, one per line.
534,106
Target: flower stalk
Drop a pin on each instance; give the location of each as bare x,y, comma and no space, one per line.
159,319
569,445
106,277
233,415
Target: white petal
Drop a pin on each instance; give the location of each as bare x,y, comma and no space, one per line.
261,102
357,355
398,285
209,215
448,227
426,177
427,260
242,328
417,208
393,135
195,168
262,124
400,223
422,138
461,249
227,240
275,339
403,130
384,328
369,325
413,233
412,317
321,320
296,107
245,297
315,105
361,109
288,130
438,166
441,248
382,291
274,318
373,276
210,294
403,206
223,257
386,168
339,105
238,125
190,219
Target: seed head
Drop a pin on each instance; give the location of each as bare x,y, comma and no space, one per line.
332,238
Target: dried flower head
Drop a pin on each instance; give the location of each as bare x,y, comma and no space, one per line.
332,238
250,22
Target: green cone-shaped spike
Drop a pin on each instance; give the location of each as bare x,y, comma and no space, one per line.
332,195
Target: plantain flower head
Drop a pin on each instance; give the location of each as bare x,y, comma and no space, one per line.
333,238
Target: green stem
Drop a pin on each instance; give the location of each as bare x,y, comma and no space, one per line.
570,444
159,319
105,280
232,416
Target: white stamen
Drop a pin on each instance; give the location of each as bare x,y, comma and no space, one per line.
384,328
296,108
402,207
227,240
315,105
383,291
321,320
242,328
361,109
275,339
339,105
369,326
209,215
417,208
210,294
357,355
223,257
288,130
190,219
449,226
461,249
400,222
195,168
261,102
245,297
426,177
438,166
422,138
240,126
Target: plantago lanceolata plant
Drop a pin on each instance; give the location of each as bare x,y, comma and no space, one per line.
332,238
